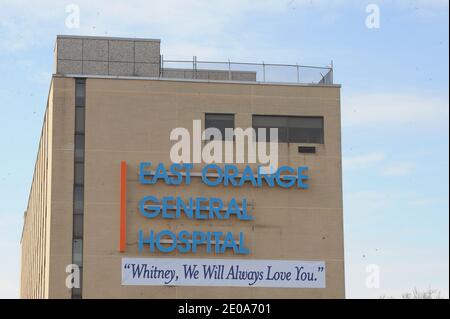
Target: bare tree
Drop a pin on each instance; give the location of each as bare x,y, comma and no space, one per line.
416,294
427,294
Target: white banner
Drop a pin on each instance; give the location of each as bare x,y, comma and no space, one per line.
223,272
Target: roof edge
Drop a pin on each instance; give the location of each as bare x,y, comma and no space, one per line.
62,36
122,77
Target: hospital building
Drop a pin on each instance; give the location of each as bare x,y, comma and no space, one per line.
110,213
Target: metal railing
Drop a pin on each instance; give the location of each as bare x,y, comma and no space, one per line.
244,71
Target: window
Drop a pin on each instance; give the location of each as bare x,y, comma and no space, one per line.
79,174
78,200
307,149
219,121
76,292
79,120
78,180
292,129
79,148
77,226
80,92
78,252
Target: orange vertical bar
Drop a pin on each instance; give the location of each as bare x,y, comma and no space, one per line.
123,206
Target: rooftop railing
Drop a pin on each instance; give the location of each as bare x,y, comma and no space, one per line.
248,72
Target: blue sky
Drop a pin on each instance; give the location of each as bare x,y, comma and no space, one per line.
394,110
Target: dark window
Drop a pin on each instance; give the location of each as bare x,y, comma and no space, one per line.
79,174
78,252
292,129
79,148
220,122
80,92
264,123
77,226
78,200
79,120
76,292
78,187
307,149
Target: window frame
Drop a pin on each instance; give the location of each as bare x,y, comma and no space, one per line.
233,115
287,127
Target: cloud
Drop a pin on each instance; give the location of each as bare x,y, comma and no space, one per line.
384,110
22,29
367,203
421,202
362,161
377,159
10,232
179,16
10,271
402,268
184,50
369,196
15,35
189,20
397,169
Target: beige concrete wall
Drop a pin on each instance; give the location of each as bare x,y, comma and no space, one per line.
61,217
131,120
34,275
47,231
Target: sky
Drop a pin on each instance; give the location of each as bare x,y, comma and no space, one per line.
395,100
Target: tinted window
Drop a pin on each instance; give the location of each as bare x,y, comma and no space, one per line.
292,129
79,120
79,148
79,174
80,92
77,226
78,200
219,121
78,252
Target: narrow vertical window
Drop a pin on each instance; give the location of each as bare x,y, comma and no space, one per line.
78,184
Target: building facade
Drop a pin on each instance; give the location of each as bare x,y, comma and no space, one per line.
112,106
